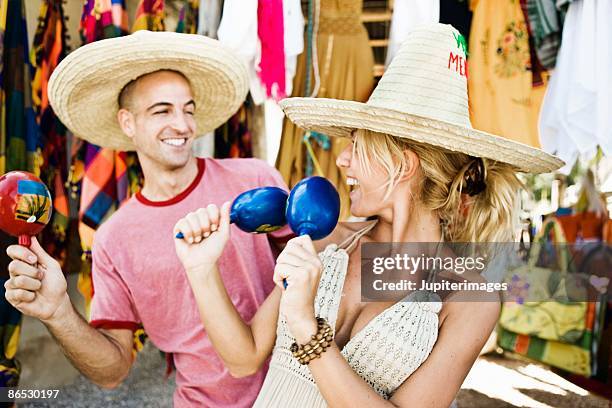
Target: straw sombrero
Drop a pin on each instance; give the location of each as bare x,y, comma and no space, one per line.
84,87
423,97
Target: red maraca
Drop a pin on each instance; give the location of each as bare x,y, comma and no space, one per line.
25,205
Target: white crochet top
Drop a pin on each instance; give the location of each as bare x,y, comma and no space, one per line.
384,353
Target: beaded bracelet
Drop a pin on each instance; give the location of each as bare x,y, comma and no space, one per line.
316,346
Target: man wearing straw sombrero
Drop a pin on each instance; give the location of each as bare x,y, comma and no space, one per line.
153,92
425,176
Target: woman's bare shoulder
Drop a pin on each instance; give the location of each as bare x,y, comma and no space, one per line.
342,231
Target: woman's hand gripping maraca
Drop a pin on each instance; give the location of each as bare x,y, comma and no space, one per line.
300,267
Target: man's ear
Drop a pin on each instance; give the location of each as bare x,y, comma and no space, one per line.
412,164
126,122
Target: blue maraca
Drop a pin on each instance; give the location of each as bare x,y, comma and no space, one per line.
259,210
313,208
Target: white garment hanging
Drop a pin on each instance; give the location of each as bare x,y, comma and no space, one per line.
238,31
408,14
209,17
576,113
294,39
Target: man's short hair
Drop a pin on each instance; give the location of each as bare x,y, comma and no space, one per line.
125,96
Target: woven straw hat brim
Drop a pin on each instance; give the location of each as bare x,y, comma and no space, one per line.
339,118
85,86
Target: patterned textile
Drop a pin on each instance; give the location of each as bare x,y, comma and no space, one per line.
233,138
19,135
575,358
49,48
149,16
546,24
188,17
503,100
19,150
537,70
101,174
558,332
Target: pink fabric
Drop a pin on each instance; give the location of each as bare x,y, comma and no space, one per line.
138,279
271,32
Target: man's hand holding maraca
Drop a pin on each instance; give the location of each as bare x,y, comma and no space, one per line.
205,233
37,286
301,267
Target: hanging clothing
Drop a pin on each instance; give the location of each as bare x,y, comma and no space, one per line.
294,39
270,29
408,14
107,176
233,139
20,142
545,19
20,146
502,99
537,70
345,71
149,15
577,111
49,48
238,32
209,15
188,17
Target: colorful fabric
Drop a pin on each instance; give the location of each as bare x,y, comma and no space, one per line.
188,17
546,23
558,333
103,182
103,19
20,136
569,357
48,49
20,146
149,16
537,70
233,139
139,280
271,34
3,15
503,100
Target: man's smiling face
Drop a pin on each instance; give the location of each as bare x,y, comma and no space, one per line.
157,112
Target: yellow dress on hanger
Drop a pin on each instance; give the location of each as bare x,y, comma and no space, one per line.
345,63
502,98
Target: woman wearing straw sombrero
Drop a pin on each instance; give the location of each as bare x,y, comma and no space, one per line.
425,175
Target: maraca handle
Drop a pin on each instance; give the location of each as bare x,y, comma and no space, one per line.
304,230
25,240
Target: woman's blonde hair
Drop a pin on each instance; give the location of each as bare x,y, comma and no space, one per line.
489,216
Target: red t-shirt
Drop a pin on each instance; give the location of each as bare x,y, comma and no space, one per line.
139,280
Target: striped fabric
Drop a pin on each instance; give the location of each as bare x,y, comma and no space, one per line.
20,139
546,25
19,150
48,49
104,182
